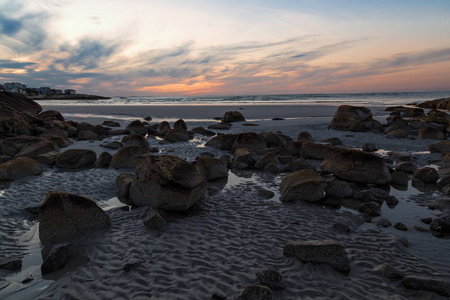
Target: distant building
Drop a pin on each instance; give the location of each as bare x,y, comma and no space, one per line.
2,88
69,92
43,90
10,86
58,92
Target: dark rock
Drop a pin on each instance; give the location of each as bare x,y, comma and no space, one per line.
19,102
299,164
428,284
305,185
87,135
400,226
19,168
126,156
154,221
76,158
51,115
443,103
64,215
339,189
341,227
13,266
180,124
265,194
220,126
357,166
255,292
333,141
426,220
265,160
56,260
222,142
137,127
369,147
232,116
203,131
112,145
327,252
111,124
12,145
212,168
273,139
440,227
426,175
431,133
392,201
166,182
305,137
176,135
352,118
406,166
249,140
381,222
13,121
104,160
123,181
35,149
98,129
272,279
286,159
293,148
389,272
243,155
130,266
135,139
440,147
48,158
370,208
315,150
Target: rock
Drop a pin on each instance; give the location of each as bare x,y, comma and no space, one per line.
286,159
315,150
305,185
341,227
249,140
305,137
111,124
13,266
48,158
125,157
426,220
440,227
123,181
388,271
398,133
118,132
19,102
352,118
148,118
265,160
87,135
56,260
443,103
166,182
400,226
243,155
426,175
265,194
273,168
65,215
431,133
272,279
299,164
392,201
212,168
98,129
180,124
293,148
222,142
327,252
203,131
428,284
10,146
339,189
137,127
370,208
447,161
333,141
104,160
232,116
406,166
369,147
273,139
154,221
255,292
440,147
76,158
13,121
34,150
135,139
112,145
399,178
176,135
372,195
381,222
220,126
51,115
357,166
19,168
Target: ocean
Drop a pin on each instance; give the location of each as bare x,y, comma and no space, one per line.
393,98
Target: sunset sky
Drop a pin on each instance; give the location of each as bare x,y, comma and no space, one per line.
171,47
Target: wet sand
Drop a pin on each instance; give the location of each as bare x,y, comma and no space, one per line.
219,245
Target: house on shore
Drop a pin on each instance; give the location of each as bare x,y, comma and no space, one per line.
69,92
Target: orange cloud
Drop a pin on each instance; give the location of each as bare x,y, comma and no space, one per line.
187,87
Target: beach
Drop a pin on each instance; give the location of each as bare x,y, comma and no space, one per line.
240,227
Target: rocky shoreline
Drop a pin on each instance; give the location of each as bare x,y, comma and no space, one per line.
69,97
326,174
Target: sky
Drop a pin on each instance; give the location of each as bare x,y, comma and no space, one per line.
226,47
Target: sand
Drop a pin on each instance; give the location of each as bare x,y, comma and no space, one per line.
219,245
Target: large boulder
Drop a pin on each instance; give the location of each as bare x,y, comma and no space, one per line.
443,103
315,150
293,148
223,141
440,147
137,127
243,158
426,175
166,182
305,185
250,140
20,102
327,252
19,167
76,158
357,166
273,139
125,157
212,168
123,182
36,149
51,115
13,121
177,135
87,135
10,146
431,133
135,139
353,118
64,215
232,116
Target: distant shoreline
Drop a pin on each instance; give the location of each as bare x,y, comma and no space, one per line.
69,97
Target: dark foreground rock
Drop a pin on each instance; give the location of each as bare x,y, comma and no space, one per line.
19,167
166,182
232,116
76,158
56,260
64,215
327,252
305,185
353,118
428,284
254,292
272,279
357,166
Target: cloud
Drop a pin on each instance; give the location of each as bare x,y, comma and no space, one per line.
10,64
9,26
